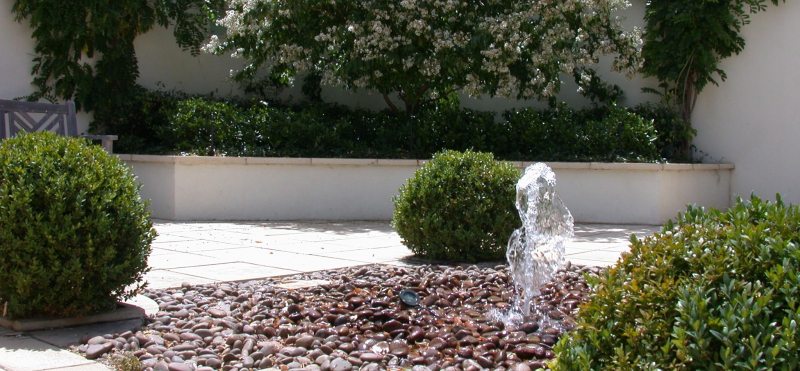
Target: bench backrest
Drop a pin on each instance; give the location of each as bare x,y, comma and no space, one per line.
18,116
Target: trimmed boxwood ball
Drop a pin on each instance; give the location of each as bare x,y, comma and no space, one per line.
717,291
74,233
458,206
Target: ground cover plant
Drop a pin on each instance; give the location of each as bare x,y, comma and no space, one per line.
459,206
74,233
716,290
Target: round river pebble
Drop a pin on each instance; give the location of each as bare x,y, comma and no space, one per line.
356,321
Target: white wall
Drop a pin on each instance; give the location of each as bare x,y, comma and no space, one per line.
238,188
639,193
163,65
753,118
246,188
16,55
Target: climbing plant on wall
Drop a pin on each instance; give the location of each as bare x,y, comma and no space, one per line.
84,48
686,39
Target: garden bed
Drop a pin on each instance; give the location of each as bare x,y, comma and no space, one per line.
250,188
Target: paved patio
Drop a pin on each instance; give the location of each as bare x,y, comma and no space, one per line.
202,252
211,252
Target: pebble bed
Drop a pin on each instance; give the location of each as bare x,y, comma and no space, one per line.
350,319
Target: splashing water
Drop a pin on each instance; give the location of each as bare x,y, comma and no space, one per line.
536,250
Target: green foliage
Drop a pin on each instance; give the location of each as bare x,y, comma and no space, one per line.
169,122
205,126
126,362
425,50
684,42
74,233
137,119
202,127
608,133
672,131
458,206
717,291
67,33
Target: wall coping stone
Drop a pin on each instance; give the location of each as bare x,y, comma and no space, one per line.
220,160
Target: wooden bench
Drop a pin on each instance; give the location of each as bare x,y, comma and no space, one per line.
18,116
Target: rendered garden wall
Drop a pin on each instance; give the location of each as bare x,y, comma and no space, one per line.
753,118
247,188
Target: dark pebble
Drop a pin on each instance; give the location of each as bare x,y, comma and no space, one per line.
340,364
355,322
94,351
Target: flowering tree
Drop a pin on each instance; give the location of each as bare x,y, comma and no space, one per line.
424,50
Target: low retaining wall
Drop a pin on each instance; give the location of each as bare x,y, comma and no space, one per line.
249,188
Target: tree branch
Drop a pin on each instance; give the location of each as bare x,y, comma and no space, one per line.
446,93
389,102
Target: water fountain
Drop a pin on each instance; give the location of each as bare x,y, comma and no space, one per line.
536,250
380,317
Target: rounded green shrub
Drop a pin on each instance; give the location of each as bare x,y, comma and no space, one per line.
458,206
717,291
74,233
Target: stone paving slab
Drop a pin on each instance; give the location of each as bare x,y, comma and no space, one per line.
123,311
180,260
222,236
370,242
24,353
163,278
89,367
171,238
594,255
618,249
582,246
64,337
194,246
289,261
5,331
618,230
378,255
262,249
234,271
310,248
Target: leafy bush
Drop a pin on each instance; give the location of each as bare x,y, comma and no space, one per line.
459,206
74,233
446,127
591,134
717,291
173,122
207,128
200,126
136,119
673,132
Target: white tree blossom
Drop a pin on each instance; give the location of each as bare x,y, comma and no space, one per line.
428,49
